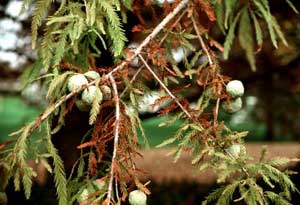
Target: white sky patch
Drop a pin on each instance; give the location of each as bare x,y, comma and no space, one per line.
34,93
14,8
179,53
8,41
24,41
9,25
12,58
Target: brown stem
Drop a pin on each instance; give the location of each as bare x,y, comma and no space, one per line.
211,64
202,42
63,99
173,25
156,31
165,88
216,111
132,79
116,138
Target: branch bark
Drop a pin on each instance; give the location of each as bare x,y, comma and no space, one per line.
63,99
154,33
165,88
202,42
116,139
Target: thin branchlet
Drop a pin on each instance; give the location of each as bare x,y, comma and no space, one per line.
165,88
119,122
116,139
147,40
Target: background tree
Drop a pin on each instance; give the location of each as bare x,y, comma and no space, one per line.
98,124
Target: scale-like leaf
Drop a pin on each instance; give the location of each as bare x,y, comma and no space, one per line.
38,15
230,37
229,8
258,30
95,106
114,27
59,172
268,19
245,35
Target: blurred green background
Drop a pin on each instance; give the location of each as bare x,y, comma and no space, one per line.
271,110
15,113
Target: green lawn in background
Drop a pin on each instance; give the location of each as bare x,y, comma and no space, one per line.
14,113
156,134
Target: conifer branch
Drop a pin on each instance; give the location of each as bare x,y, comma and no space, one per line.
173,25
4,145
41,118
233,158
216,111
63,99
116,139
165,87
202,42
132,79
45,115
211,64
151,36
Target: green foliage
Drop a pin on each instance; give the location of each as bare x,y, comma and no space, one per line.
258,30
77,32
237,176
57,87
292,6
214,196
114,28
245,35
58,171
69,26
38,15
95,107
31,73
17,160
136,122
277,199
21,150
230,37
246,186
250,18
